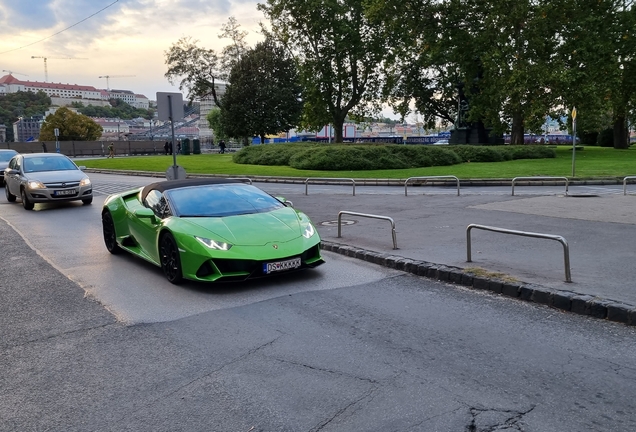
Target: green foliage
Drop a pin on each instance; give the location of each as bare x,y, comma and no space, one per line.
72,127
118,109
357,157
263,94
25,104
338,53
216,124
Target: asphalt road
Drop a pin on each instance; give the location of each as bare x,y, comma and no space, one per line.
348,347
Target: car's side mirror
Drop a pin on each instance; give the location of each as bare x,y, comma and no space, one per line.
12,171
82,168
285,201
145,213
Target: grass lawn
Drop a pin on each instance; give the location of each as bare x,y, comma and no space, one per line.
592,162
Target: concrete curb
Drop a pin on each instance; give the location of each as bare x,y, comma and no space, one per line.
567,301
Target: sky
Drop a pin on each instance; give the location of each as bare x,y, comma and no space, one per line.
114,37
128,37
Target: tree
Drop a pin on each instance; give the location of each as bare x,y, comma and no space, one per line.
21,103
263,93
72,127
216,124
339,54
199,69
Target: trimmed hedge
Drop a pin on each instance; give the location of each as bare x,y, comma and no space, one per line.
341,157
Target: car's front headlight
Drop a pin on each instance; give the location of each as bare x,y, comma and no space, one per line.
213,244
85,182
309,231
34,184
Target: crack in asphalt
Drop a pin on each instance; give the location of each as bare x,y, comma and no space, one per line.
199,378
368,395
327,370
511,422
57,335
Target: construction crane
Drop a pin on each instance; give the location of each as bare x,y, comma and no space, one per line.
46,71
12,72
113,76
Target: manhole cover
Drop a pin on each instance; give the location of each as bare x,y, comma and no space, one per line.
335,222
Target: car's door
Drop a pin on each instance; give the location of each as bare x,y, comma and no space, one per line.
145,230
13,180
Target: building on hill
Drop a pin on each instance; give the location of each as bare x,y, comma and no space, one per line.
207,104
65,94
27,129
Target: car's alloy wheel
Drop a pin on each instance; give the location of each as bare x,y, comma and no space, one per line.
170,260
10,196
110,236
28,205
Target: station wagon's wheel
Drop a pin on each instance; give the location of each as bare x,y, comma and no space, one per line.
28,205
170,260
87,201
110,236
10,196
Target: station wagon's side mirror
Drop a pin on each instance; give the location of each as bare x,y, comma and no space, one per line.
12,171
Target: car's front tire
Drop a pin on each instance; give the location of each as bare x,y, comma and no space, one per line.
110,235
170,259
87,201
28,205
10,196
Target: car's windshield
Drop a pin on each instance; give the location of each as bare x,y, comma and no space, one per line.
6,156
220,200
48,163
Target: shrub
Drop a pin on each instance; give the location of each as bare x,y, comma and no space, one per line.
480,153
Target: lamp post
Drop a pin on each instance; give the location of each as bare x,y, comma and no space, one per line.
19,128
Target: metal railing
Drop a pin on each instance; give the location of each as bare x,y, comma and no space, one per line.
566,248
393,236
567,181
243,179
323,179
430,178
625,183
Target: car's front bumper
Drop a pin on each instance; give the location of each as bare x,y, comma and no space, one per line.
59,194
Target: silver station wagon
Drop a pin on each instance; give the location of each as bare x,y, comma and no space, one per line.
46,177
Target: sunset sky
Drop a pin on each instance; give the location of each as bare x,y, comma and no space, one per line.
129,37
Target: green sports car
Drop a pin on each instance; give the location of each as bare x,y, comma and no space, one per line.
210,230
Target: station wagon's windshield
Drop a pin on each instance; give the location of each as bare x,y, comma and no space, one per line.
44,163
220,200
6,156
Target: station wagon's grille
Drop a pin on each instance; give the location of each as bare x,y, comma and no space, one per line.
62,185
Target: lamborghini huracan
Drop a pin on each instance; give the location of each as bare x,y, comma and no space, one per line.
210,230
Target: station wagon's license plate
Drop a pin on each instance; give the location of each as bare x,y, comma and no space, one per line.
65,192
281,266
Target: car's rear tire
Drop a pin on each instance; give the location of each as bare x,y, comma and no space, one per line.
87,201
28,205
110,235
10,196
170,259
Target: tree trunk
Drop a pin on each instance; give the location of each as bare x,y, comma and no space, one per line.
620,132
338,124
262,137
516,136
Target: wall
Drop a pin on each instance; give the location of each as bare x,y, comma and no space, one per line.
89,148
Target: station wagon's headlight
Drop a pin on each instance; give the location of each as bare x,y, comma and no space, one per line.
213,244
309,231
34,184
85,182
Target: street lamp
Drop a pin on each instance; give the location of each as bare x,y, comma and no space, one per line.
18,138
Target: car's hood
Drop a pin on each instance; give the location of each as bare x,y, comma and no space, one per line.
257,229
56,176
3,165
